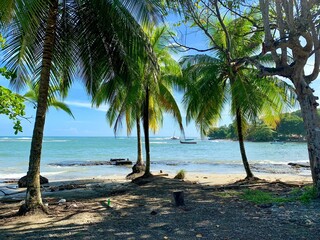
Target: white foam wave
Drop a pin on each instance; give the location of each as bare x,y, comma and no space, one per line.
56,140
158,142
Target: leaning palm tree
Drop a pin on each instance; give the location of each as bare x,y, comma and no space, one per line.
213,79
147,96
46,39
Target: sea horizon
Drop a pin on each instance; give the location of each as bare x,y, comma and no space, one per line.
62,156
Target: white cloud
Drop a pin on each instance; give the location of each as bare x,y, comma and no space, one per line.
102,108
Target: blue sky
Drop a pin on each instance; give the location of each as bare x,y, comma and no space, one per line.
88,121
92,122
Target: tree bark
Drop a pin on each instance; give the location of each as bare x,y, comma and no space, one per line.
241,145
147,172
309,114
33,195
139,143
139,166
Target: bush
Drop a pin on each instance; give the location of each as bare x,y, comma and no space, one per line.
180,175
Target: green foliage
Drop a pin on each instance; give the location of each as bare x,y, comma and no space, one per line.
304,195
224,132
261,197
260,133
291,124
219,133
290,128
55,92
12,105
180,175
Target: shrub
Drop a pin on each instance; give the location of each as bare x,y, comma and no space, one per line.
180,175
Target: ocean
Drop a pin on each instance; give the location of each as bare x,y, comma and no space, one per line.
62,156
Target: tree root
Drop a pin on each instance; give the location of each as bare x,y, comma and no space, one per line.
24,210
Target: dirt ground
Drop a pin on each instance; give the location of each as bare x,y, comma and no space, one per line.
146,210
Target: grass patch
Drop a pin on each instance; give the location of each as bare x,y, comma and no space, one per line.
304,195
180,175
261,197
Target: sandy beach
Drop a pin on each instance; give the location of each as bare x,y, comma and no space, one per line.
116,208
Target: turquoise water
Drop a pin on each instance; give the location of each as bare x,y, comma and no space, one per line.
167,155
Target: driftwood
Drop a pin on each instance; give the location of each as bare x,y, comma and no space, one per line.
239,186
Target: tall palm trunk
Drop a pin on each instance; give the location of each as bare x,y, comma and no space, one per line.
241,145
139,144
33,196
147,172
308,104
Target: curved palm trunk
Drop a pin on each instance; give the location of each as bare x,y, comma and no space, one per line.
33,195
241,145
147,172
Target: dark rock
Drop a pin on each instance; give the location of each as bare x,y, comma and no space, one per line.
23,181
304,165
153,212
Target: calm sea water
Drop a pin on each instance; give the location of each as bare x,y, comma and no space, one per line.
167,155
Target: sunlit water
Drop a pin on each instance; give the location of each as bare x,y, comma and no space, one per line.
167,155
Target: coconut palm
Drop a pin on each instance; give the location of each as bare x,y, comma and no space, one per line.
147,97
45,40
213,79
32,96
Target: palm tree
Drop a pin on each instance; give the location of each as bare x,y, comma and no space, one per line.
213,79
145,97
32,96
46,39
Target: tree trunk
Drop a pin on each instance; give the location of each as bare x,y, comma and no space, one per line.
147,172
241,144
309,114
33,195
139,143
139,166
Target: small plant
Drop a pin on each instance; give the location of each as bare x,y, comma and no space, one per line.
306,194
180,175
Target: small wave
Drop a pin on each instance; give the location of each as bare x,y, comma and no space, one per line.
12,175
56,140
158,142
273,162
52,173
24,139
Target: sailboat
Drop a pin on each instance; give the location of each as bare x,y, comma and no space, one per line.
174,137
187,141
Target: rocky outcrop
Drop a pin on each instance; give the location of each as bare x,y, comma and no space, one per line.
23,181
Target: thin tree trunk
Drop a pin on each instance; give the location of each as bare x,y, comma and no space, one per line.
147,172
139,144
241,144
139,166
310,117
33,195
